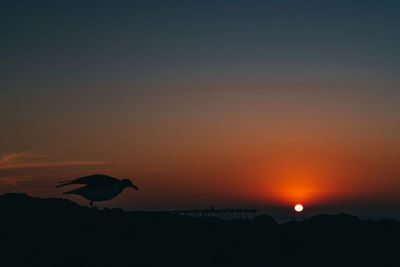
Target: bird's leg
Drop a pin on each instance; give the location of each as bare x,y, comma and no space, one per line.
91,203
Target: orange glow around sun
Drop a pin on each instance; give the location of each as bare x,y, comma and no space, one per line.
301,180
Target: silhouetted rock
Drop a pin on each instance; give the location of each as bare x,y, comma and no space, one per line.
58,232
264,220
337,219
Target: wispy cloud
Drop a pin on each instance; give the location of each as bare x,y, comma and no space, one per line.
13,181
29,159
156,170
4,159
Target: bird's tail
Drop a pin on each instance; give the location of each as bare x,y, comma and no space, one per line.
64,183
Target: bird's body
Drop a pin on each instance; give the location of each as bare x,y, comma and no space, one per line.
97,192
98,187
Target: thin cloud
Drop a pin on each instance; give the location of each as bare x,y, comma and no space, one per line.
29,159
11,156
13,181
156,170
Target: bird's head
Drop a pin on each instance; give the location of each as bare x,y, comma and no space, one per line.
128,183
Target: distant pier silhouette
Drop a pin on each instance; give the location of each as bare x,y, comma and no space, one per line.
224,214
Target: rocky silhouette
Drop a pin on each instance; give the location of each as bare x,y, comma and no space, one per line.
98,187
58,232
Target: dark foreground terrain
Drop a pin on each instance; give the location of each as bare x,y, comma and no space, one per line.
58,232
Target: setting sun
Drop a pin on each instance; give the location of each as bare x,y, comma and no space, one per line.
298,208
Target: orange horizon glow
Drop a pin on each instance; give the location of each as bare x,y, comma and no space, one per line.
191,156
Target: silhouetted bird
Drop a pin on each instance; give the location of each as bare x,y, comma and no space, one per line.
99,187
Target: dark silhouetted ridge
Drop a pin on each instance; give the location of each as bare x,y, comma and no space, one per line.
23,201
337,219
59,232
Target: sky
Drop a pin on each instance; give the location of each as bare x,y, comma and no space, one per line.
253,104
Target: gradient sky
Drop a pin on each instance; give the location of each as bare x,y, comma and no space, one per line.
226,103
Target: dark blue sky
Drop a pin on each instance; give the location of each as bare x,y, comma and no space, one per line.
128,40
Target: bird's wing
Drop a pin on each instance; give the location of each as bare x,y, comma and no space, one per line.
95,179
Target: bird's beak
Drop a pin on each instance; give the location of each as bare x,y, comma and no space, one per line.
135,187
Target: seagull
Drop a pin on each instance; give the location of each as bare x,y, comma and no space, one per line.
98,187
